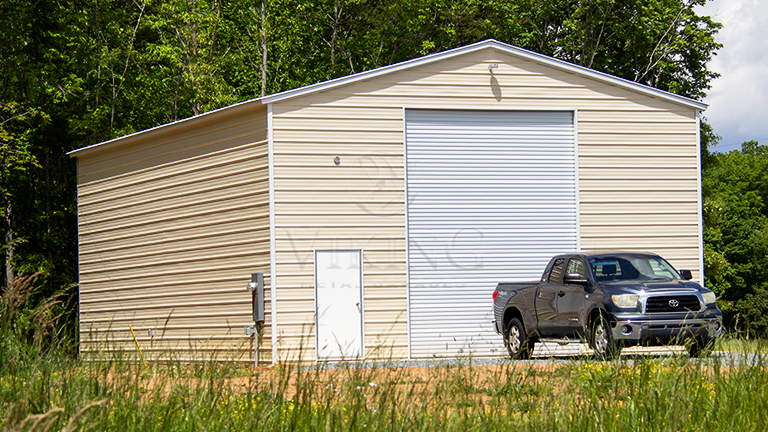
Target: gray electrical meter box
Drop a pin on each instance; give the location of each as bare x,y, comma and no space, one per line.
256,287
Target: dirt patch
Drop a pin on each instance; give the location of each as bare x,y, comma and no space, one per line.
484,379
288,381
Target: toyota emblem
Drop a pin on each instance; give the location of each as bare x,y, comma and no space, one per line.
674,303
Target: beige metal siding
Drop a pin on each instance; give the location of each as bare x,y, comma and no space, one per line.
171,229
637,172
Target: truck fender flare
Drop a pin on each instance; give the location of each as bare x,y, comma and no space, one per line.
595,312
511,311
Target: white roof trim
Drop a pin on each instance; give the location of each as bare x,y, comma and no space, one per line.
489,43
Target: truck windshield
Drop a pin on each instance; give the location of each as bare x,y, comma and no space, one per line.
631,267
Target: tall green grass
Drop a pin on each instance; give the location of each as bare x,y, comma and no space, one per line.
741,343
49,390
648,394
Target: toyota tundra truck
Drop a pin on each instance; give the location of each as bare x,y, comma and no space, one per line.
610,300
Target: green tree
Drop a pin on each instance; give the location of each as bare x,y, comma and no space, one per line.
36,84
17,130
736,233
76,72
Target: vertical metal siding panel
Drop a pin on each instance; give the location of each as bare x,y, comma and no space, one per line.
193,298
272,265
576,175
363,124
365,121
699,193
79,279
639,187
407,243
357,204
492,195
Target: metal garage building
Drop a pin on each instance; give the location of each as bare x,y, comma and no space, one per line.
382,207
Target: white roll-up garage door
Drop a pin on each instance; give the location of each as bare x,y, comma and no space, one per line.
492,195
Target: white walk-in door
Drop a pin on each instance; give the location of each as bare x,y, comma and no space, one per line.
492,195
338,294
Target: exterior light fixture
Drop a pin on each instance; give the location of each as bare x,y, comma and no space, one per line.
493,66
336,160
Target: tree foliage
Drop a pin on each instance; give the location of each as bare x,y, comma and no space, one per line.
736,233
37,81
661,43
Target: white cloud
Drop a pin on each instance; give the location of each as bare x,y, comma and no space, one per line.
738,97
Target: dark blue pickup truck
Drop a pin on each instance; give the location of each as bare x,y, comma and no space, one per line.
609,300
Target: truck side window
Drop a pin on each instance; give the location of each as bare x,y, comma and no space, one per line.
556,275
575,265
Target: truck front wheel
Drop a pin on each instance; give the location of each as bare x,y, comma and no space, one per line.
601,340
517,342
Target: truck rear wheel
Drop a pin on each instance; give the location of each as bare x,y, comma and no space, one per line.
601,339
517,342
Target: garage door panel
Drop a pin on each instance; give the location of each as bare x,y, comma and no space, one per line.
491,196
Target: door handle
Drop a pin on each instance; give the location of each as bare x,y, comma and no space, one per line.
561,293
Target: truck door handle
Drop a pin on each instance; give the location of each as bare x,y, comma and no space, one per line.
561,293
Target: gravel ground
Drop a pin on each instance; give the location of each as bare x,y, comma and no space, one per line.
553,356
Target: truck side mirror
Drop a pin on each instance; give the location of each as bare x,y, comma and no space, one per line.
575,279
686,274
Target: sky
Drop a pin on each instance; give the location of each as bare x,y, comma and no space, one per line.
738,97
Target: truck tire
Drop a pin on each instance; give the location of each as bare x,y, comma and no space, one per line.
517,342
601,340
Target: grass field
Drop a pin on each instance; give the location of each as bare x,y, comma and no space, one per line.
673,393
43,387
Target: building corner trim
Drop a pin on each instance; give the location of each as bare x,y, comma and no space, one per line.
272,257
699,196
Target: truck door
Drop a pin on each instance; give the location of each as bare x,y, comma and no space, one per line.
546,299
571,301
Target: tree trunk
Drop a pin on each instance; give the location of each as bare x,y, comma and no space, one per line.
263,48
336,15
9,270
48,212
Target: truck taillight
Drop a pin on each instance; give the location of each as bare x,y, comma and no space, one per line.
495,294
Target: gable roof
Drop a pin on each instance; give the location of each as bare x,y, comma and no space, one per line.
499,46
408,64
